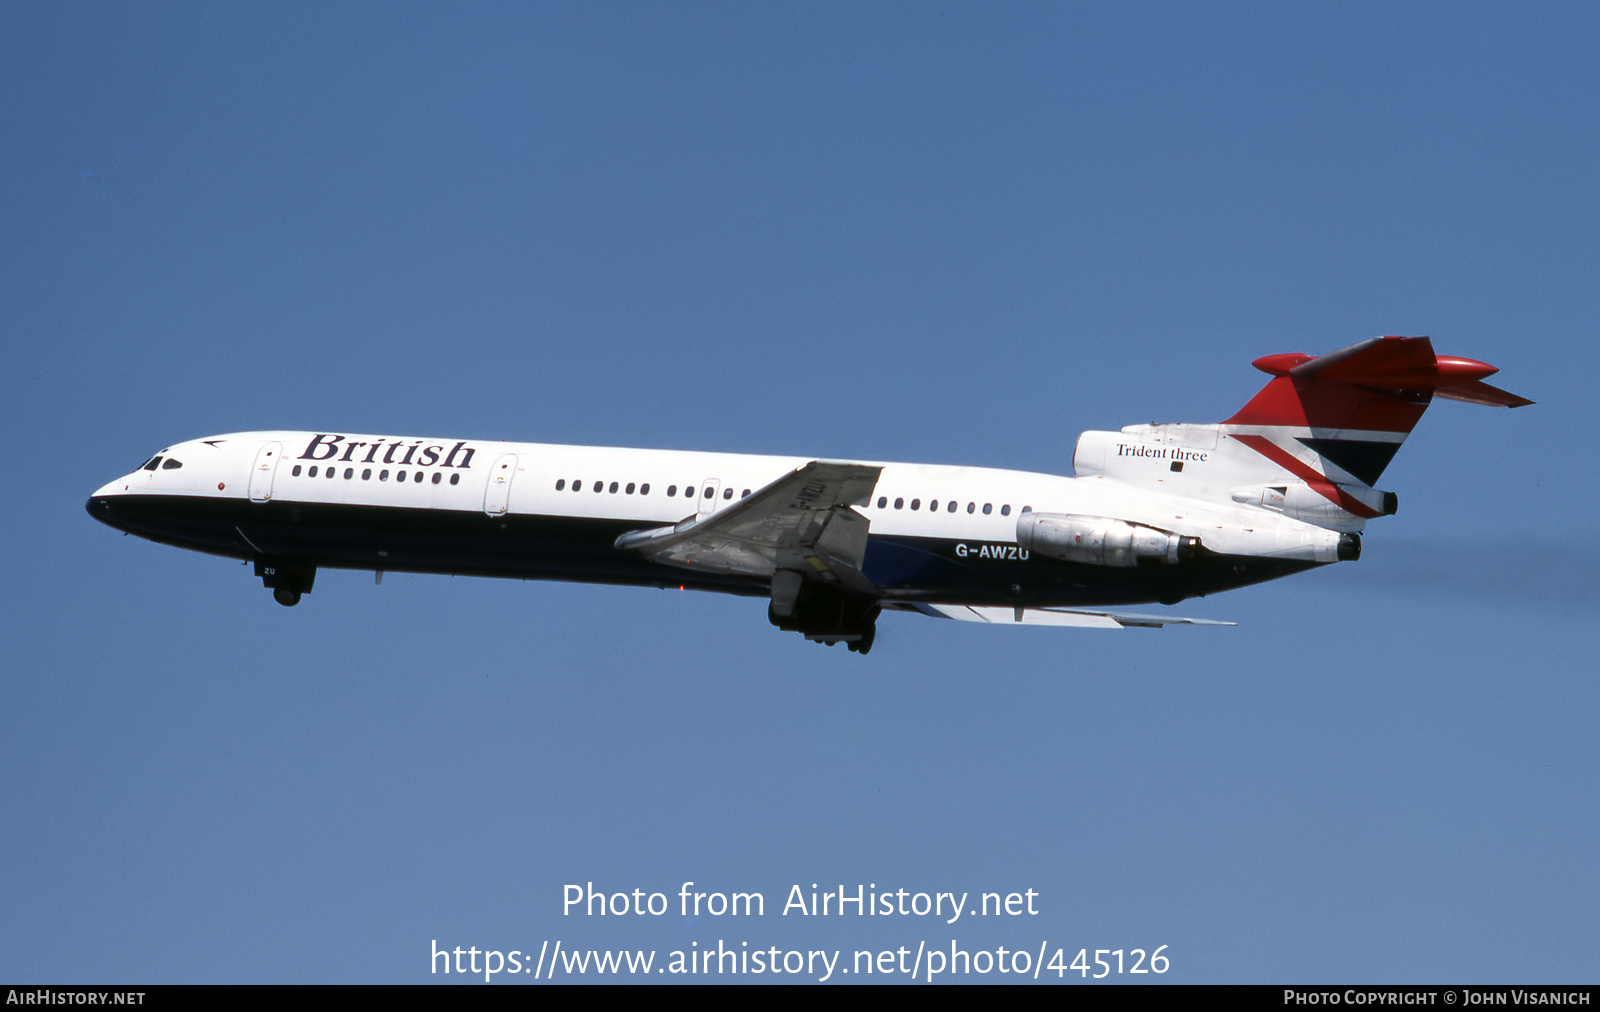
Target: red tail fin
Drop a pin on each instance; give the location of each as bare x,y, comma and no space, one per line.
1381,385
1361,402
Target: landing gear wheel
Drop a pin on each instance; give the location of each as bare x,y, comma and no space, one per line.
287,580
864,644
823,614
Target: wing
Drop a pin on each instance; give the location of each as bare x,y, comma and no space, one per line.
1057,617
801,522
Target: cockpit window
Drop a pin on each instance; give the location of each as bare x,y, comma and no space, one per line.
172,464
152,463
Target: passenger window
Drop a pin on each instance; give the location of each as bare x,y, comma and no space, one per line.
599,487
1005,510
436,476
313,472
577,486
399,476
883,501
915,503
672,490
710,492
349,473
971,507
171,465
613,488
366,474
988,508
1027,509
629,489
727,493
330,471
898,503
933,505
418,479
744,493
644,489
455,479
383,475
561,485
688,491
952,507
296,471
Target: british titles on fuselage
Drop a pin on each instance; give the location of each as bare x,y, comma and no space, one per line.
429,456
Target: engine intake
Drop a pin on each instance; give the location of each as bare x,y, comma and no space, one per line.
1102,541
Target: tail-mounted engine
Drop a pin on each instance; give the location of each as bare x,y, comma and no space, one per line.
1338,507
1102,541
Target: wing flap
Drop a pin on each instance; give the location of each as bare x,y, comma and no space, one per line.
1072,617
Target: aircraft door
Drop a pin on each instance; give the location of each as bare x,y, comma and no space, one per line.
709,490
264,471
497,496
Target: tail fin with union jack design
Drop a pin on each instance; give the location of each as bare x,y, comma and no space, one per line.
1312,443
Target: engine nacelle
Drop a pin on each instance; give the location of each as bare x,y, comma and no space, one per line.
1102,541
1302,502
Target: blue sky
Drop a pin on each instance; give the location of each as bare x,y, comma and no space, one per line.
901,232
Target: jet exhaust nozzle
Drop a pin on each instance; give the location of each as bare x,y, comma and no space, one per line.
1349,547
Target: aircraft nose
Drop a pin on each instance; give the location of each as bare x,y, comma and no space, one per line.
99,507
102,504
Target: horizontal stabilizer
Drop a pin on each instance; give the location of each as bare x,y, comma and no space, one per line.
1058,617
1477,392
1409,364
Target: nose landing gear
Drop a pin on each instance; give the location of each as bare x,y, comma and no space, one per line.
286,580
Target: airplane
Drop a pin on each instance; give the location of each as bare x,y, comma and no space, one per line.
1153,512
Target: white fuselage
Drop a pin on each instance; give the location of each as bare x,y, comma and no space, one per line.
532,510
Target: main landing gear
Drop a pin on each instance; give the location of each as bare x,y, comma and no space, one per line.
823,613
286,580
869,632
